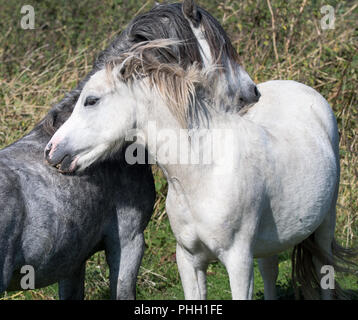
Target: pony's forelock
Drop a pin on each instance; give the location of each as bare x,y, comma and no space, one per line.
174,83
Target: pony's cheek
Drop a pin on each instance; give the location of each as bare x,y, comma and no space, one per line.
70,166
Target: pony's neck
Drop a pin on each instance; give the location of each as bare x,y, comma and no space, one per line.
174,146
183,152
161,131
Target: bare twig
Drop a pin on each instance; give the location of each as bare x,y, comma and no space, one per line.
274,35
292,26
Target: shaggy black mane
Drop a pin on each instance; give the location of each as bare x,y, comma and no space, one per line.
162,22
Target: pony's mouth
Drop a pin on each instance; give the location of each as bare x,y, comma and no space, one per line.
67,165
67,160
60,158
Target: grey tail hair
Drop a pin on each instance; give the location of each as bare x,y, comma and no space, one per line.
306,282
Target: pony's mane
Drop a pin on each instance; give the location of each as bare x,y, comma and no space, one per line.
162,22
174,83
168,22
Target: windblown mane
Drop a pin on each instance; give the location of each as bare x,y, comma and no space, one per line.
162,22
177,85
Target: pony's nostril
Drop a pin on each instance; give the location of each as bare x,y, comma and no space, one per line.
48,150
256,91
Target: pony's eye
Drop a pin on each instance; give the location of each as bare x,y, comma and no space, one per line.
91,101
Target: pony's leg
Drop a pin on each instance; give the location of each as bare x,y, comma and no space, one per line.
238,261
251,290
269,271
323,238
132,251
5,275
239,257
73,287
124,259
192,270
113,258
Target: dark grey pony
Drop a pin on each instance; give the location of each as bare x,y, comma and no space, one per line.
55,222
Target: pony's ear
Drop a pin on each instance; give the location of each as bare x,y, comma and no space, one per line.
118,71
190,11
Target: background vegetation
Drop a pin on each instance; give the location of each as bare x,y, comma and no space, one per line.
276,39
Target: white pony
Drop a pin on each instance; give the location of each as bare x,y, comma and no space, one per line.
278,190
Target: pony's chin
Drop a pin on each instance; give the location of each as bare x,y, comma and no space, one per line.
68,165
82,163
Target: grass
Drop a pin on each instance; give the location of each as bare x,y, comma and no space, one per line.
276,39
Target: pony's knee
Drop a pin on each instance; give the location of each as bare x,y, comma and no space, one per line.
269,267
5,280
126,290
2,287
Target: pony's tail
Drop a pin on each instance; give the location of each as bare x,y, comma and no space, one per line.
306,282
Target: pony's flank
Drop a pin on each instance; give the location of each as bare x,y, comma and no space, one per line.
176,85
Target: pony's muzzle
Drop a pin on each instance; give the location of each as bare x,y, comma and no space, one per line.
251,95
257,93
59,157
